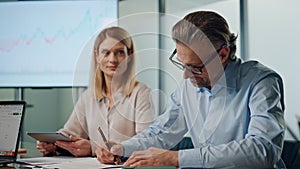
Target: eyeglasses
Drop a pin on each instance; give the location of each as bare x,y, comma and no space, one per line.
191,68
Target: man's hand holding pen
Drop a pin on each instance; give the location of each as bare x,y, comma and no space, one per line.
109,157
109,153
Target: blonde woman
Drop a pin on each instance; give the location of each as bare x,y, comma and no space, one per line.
114,101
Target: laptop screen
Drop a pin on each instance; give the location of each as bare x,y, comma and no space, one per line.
11,117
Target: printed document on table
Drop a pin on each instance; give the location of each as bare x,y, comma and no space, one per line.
62,162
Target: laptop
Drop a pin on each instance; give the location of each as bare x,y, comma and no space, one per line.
11,119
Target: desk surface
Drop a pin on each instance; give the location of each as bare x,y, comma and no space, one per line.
66,162
14,166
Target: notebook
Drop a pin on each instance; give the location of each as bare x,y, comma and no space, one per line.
11,119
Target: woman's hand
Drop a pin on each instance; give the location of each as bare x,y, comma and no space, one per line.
79,147
46,148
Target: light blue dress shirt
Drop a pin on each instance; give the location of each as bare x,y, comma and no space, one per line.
239,123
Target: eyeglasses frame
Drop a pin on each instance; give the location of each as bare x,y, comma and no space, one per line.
191,67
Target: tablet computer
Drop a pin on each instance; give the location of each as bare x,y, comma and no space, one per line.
49,137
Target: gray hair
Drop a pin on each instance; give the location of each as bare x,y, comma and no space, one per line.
208,25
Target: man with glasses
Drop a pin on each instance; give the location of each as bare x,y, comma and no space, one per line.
232,110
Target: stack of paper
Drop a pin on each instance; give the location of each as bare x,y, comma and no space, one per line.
61,162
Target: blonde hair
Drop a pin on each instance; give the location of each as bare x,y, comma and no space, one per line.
97,80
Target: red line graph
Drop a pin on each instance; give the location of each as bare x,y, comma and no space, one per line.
85,27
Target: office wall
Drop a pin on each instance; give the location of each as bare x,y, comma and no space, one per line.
141,19
7,94
47,110
274,40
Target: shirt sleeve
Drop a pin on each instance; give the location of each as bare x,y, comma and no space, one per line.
262,145
166,131
76,124
144,113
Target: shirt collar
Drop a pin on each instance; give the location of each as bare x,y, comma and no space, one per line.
232,73
227,80
118,97
203,89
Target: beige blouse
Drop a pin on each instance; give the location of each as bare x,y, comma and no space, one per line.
128,116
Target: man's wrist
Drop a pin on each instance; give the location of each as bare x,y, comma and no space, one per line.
174,158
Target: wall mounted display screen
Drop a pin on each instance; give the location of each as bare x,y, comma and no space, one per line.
40,41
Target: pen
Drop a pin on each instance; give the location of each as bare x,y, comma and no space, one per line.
107,144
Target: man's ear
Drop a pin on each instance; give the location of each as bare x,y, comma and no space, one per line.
224,54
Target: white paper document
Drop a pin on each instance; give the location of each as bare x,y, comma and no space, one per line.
61,162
